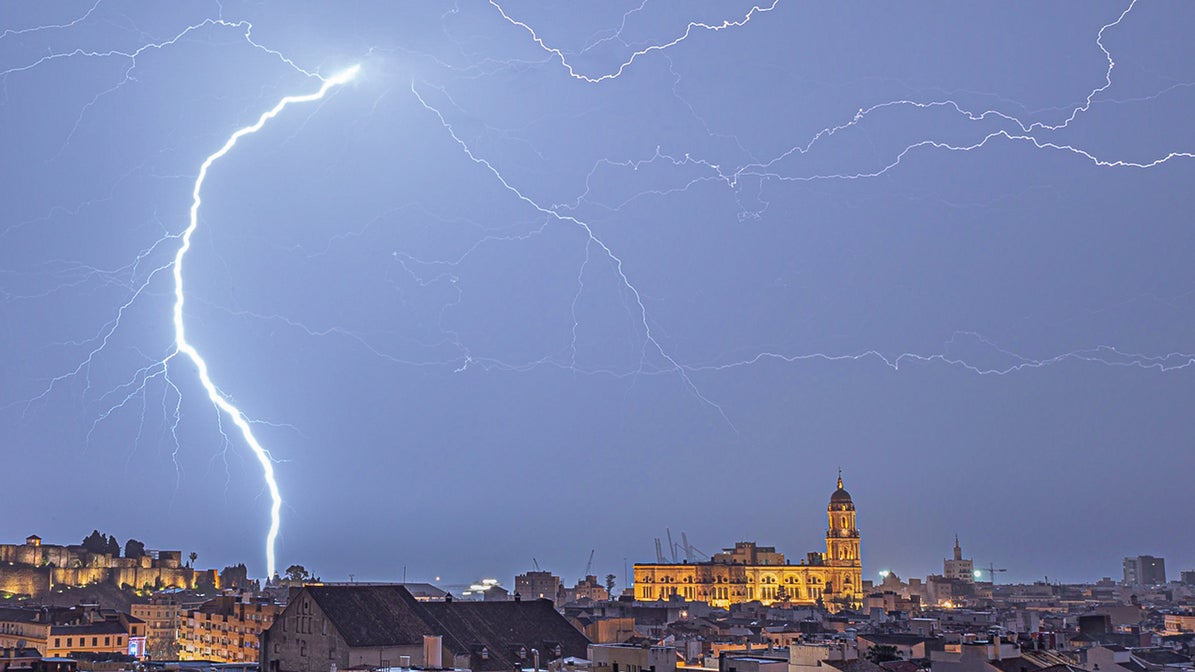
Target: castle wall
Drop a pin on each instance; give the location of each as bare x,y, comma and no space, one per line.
32,570
24,580
35,555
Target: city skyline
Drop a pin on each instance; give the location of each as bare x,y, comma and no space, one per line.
529,284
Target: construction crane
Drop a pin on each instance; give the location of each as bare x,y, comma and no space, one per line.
992,569
589,565
536,563
660,559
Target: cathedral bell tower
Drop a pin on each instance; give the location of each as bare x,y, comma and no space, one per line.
842,537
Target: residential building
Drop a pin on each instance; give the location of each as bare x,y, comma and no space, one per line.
163,615
1176,624
537,585
749,572
382,625
225,630
586,589
1144,570
60,631
631,658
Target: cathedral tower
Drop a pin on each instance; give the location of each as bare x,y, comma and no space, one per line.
842,538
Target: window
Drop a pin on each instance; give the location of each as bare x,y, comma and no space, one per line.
107,641
69,641
57,642
95,641
302,647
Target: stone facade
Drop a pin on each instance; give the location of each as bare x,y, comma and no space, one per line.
35,568
748,572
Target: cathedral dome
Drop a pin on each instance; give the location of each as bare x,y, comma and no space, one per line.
840,496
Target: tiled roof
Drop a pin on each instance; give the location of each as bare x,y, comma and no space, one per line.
859,665
895,639
371,615
100,628
1015,664
388,615
1160,656
499,626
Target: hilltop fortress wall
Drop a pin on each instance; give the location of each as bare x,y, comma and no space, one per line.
34,569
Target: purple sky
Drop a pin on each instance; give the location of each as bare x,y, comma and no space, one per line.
546,280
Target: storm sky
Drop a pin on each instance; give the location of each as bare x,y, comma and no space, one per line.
553,277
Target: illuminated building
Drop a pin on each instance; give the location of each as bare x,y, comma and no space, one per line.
225,630
749,572
57,632
960,568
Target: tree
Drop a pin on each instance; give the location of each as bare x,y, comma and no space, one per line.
134,549
95,542
610,579
297,573
112,547
882,653
192,557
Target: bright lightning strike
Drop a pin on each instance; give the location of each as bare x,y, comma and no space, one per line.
183,347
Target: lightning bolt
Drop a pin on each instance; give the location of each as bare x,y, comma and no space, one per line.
183,347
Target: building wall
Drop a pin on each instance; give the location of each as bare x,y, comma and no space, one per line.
303,641
232,637
24,580
161,628
628,658
536,585
34,635
62,645
723,585
37,581
749,572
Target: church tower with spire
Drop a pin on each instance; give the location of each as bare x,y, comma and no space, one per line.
960,568
842,548
842,537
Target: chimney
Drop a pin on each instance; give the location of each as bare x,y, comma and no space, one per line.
433,650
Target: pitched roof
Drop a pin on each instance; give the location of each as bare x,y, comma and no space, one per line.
857,665
499,626
895,639
388,615
371,615
1160,656
1016,664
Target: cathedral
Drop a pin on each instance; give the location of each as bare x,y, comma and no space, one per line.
749,572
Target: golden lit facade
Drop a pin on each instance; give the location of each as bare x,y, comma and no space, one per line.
749,572
225,630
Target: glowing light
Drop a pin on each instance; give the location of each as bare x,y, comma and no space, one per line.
977,573
884,574
185,348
